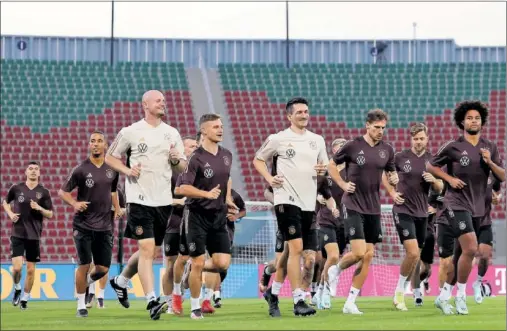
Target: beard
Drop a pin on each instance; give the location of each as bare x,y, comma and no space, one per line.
420,150
160,113
473,132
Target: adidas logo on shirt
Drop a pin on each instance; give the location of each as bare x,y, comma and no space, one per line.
361,152
89,175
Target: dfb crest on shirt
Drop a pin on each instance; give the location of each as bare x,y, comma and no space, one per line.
89,183
191,247
382,154
139,230
290,153
278,244
352,231
405,233
167,247
182,248
38,195
21,198
360,160
109,173
208,173
407,168
462,225
326,237
292,229
226,160
464,161
313,145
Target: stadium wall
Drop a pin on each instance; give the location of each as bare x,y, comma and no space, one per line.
241,51
56,282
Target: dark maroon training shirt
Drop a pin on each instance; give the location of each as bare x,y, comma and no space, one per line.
29,224
364,166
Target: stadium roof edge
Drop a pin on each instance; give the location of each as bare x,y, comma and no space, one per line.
248,39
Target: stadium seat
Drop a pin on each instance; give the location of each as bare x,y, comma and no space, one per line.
61,107
64,103
340,95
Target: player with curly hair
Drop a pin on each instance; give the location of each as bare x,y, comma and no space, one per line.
469,160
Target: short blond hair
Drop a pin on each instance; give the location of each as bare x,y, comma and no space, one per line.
418,127
338,141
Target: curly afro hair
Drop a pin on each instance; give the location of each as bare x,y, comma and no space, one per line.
465,106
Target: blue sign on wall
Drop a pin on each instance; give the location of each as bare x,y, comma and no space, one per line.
22,45
56,282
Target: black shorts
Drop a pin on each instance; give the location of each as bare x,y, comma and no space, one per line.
332,235
230,232
446,240
171,244
96,245
280,243
311,240
28,248
411,227
145,222
485,235
295,223
428,250
461,222
362,226
431,226
183,247
206,231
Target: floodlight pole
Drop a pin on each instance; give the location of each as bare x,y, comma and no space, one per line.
287,56
111,60
414,42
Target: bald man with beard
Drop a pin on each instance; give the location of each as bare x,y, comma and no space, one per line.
153,150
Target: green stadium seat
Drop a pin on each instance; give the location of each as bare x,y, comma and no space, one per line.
400,88
49,87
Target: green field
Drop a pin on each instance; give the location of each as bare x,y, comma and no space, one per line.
251,314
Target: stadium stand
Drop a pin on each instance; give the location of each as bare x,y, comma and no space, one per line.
340,95
48,110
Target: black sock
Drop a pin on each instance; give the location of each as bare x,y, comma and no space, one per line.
223,274
265,277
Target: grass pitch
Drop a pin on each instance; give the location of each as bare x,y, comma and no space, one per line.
251,314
